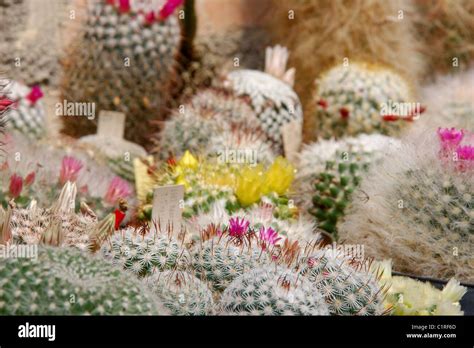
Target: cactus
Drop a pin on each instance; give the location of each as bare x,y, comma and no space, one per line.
271,290
27,115
273,101
347,290
420,207
358,98
210,113
182,293
334,187
68,282
125,62
143,251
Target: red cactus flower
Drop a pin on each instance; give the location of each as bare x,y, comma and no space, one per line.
70,168
16,185
35,94
124,6
344,113
30,178
323,103
169,8
5,103
119,216
150,17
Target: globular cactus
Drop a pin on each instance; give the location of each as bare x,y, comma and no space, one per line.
272,290
228,250
182,293
143,252
362,98
209,114
347,289
274,101
124,62
27,114
61,281
419,210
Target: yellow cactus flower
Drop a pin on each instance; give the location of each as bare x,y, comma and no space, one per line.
279,176
249,185
188,161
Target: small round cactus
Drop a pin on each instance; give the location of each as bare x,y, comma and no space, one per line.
357,99
272,290
27,115
144,252
182,293
346,289
62,281
419,210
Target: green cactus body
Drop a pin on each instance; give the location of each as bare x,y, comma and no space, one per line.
272,290
143,254
335,186
350,100
124,62
182,293
69,282
220,260
347,290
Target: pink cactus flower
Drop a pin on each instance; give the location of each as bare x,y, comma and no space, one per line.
238,227
150,17
118,188
465,153
168,9
70,168
35,94
16,185
450,137
5,104
268,236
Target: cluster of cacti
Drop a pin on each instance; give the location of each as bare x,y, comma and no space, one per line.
124,62
144,250
60,281
27,114
348,289
419,207
182,293
407,296
356,98
272,290
207,125
273,101
34,46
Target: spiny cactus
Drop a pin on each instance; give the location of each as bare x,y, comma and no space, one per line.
272,290
27,114
357,98
208,114
182,293
68,282
419,210
143,251
124,62
273,101
346,289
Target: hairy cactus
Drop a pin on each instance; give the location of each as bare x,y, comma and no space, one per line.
144,252
27,114
419,210
346,289
273,101
68,282
182,293
124,62
362,98
272,290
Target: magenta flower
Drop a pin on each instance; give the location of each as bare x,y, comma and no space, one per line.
238,228
124,6
268,236
169,8
465,153
35,94
118,188
16,185
450,137
70,168
150,17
